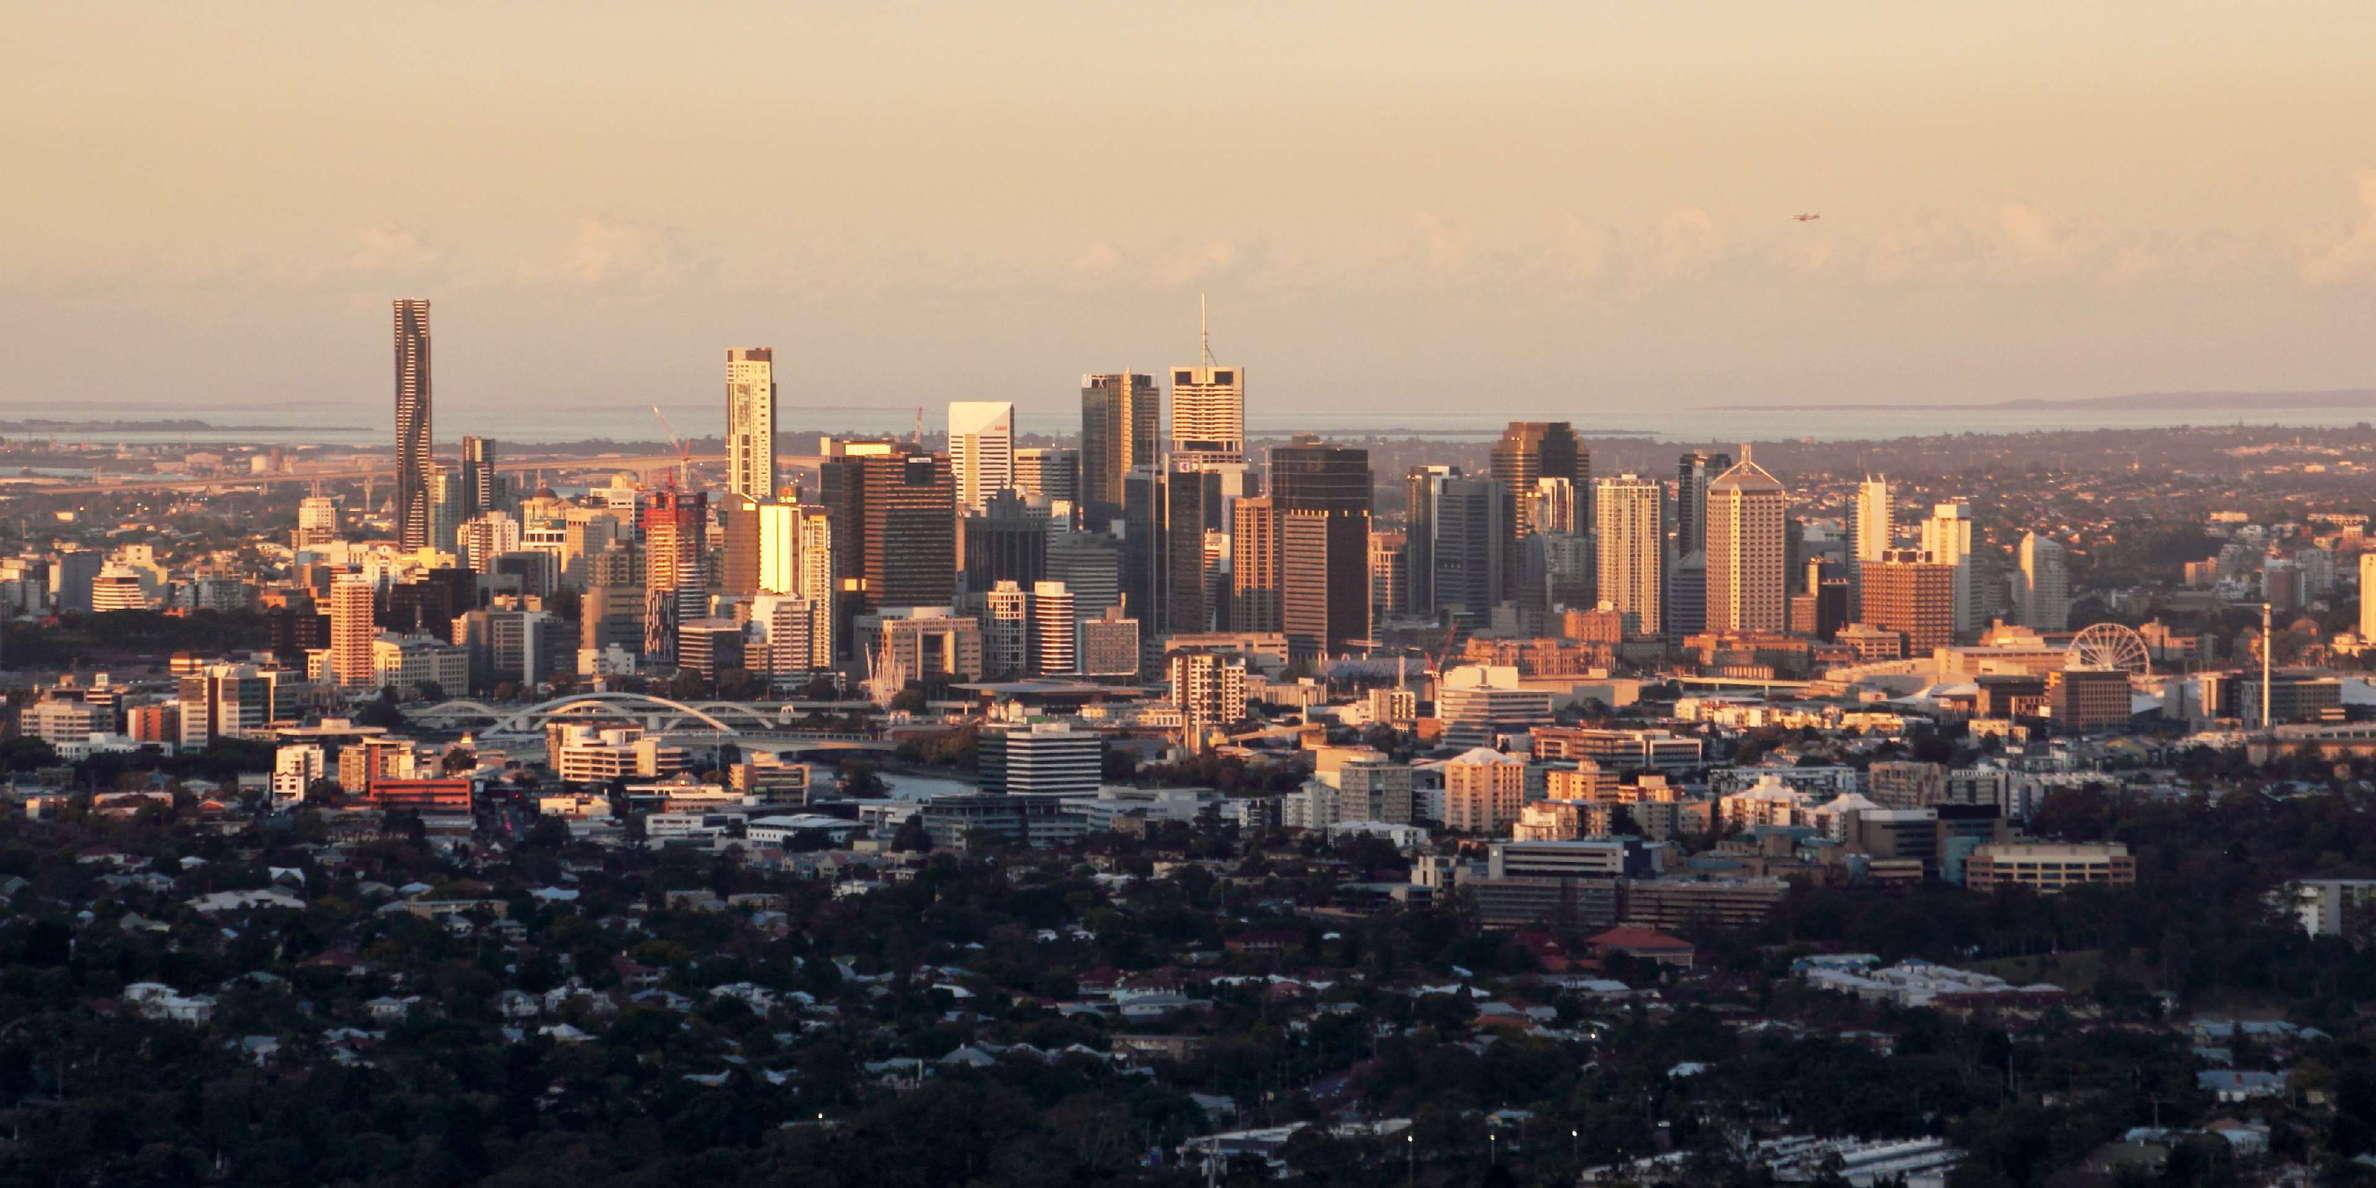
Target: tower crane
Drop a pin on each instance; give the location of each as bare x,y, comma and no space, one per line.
683,479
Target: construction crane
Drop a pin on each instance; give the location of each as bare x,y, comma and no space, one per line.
683,479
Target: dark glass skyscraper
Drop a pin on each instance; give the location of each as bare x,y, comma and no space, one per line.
1321,494
1693,472
1121,428
412,423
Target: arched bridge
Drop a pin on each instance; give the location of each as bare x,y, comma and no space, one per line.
657,715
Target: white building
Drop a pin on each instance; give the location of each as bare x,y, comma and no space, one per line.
981,449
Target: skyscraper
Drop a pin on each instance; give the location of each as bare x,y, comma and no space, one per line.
1254,573
352,631
894,523
478,476
1911,592
1947,537
1455,552
1050,472
2367,595
796,561
750,423
1746,578
1874,529
1208,408
2045,590
1528,452
981,449
412,424
1324,593
1631,546
1121,428
1693,471
675,524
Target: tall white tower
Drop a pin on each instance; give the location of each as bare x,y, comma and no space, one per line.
2045,584
1947,537
1747,508
981,449
1208,407
750,423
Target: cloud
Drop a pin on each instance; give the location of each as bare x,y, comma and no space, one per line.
390,249
610,252
2355,254
1689,243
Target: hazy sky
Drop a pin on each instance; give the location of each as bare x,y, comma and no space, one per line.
1549,207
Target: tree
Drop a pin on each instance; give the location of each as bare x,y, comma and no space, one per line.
687,685
912,838
25,753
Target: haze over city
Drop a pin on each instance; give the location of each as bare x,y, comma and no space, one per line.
1574,208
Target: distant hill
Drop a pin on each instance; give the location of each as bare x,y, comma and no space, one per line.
2199,401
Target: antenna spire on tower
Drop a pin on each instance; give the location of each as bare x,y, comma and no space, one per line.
1204,332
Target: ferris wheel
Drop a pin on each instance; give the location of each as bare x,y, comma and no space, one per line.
2111,646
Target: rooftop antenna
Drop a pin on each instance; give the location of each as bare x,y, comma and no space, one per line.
1204,333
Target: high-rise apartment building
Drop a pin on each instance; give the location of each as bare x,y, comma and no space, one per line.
1631,545
1254,572
1746,546
750,423
412,424
478,491
1208,409
1909,591
981,449
796,560
2044,596
317,521
1121,429
1209,689
1873,528
353,629
1693,472
1947,537
2367,595
1055,630
676,578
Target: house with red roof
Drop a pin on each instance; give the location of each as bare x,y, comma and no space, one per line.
1647,943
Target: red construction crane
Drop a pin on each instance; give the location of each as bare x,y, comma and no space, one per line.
683,478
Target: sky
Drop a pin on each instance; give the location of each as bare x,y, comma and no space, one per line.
1557,208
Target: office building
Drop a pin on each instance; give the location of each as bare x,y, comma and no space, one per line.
750,424
2047,867
981,450
1006,630
894,524
2088,698
1909,592
1323,554
2044,595
1108,646
1746,546
1455,552
1006,540
1043,758
1630,546
1478,704
1208,409
1528,453
1090,565
1693,472
229,701
1121,429
710,646
1050,473
412,424
1254,566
